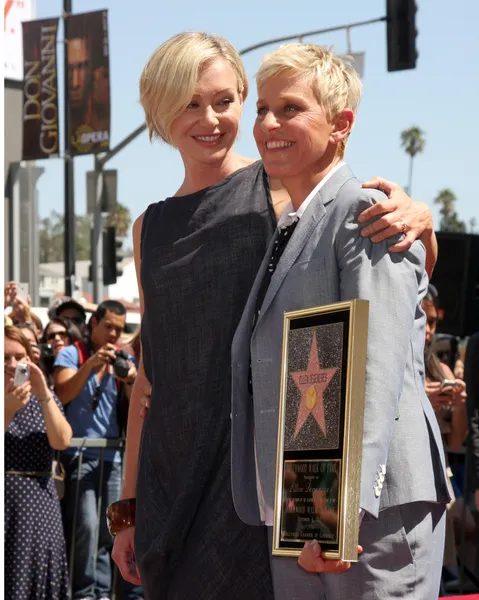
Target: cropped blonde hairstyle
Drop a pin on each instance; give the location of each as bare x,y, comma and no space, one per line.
168,80
335,83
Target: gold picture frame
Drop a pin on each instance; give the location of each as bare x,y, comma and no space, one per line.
321,413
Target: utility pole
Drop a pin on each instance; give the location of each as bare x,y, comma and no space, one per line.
69,230
97,239
300,36
99,216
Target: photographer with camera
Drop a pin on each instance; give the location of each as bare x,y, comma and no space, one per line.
92,380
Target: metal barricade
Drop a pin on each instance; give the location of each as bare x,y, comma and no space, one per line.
102,444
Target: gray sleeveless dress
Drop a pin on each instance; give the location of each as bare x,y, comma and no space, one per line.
200,255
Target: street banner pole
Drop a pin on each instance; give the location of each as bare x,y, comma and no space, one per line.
69,232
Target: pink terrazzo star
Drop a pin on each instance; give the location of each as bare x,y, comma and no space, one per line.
312,383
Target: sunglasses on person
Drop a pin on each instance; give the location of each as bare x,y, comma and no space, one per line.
95,400
61,334
75,320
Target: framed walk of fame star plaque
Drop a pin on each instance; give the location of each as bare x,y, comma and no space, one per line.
318,469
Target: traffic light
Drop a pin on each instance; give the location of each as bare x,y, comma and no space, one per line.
401,34
112,256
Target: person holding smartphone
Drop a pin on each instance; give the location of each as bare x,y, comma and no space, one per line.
35,426
447,395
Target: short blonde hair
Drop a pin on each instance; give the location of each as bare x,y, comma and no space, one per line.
335,82
168,80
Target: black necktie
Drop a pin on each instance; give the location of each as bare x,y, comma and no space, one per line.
278,249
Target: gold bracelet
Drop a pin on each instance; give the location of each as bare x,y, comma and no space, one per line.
45,400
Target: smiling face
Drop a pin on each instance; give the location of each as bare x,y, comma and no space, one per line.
14,353
294,134
207,129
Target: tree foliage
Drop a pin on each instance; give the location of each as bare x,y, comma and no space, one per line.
51,231
413,142
121,219
446,199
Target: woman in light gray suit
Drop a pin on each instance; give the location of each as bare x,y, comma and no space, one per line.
307,102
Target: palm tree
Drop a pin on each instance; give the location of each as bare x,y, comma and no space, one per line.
412,140
446,199
121,219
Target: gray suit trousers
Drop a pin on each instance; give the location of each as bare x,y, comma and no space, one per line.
402,558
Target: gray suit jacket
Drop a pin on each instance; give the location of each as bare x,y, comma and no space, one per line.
327,260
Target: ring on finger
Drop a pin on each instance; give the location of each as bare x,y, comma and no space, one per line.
402,226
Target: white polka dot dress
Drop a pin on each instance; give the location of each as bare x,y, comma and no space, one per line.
35,556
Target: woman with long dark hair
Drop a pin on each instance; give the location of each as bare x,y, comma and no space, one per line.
60,333
57,335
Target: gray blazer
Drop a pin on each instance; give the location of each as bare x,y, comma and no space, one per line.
327,260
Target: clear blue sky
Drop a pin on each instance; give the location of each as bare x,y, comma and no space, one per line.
439,95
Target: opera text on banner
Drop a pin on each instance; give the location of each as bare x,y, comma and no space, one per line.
86,37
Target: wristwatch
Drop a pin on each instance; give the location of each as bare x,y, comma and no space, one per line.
120,515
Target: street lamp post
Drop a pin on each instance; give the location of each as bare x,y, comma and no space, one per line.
69,245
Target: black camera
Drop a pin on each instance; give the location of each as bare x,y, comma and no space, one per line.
120,365
47,358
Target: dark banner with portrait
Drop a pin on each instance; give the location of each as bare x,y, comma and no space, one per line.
40,90
86,38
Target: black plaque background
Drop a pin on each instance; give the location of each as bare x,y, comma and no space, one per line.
326,533
342,316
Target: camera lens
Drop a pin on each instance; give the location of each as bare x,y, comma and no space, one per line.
46,351
120,366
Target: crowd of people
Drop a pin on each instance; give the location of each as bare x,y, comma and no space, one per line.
80,373
218,264
39,523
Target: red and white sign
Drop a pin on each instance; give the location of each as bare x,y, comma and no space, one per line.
14,12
